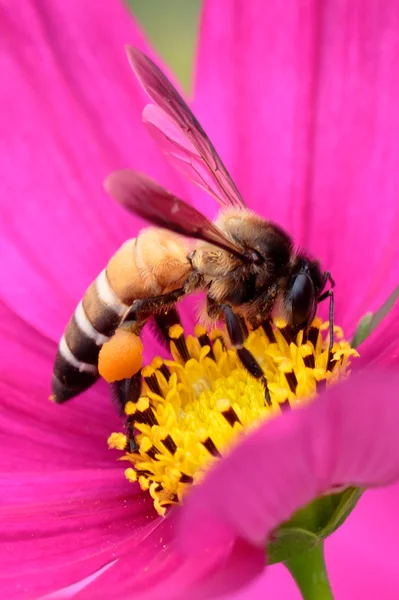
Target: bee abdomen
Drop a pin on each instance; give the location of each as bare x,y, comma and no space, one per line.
71,376
94,321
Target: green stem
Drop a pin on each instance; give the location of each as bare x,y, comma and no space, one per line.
309,571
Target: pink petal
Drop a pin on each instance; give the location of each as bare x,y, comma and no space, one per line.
301,100
59,528
354,215
346,437
253,96
275,582
156,570
76,118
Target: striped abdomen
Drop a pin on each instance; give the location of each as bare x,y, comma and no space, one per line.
150,265
93,322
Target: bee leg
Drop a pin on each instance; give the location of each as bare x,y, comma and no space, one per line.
327,277
212,308
146,307
329,294
238,334
133,445
124,391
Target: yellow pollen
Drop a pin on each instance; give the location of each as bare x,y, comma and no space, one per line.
130,409
207,400
199,331
117,441
131,474
176,331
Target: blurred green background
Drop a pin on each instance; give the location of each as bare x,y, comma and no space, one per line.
171,26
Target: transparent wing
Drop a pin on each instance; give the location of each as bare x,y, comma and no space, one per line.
181,135
144,197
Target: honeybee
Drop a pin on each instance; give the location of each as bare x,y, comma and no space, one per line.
247,266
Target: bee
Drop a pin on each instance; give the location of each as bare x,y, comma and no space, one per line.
247,266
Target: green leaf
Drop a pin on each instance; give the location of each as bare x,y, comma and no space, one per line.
362,331
315,516
371,321
289,542
384,310
347,502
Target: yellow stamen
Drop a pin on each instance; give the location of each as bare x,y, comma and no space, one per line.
207,400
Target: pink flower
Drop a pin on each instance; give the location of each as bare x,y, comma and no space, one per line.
301,104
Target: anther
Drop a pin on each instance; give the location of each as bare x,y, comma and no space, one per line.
309,361
152,452
228,412
267,328
216,336
268,400
331,362
210,446
287,334
292,381
169,444
150,417
285,406
186,478
127,390
165,371
163,322
153,384
314,335
146,416
176,333
144,472
204,340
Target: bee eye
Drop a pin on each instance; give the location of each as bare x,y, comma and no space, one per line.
300,299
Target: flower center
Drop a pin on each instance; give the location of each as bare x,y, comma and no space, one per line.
196,407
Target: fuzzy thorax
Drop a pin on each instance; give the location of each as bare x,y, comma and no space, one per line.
196,407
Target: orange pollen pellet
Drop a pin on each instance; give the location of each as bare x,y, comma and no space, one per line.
121,357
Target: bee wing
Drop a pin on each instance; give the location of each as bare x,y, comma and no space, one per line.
144,197
181,135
